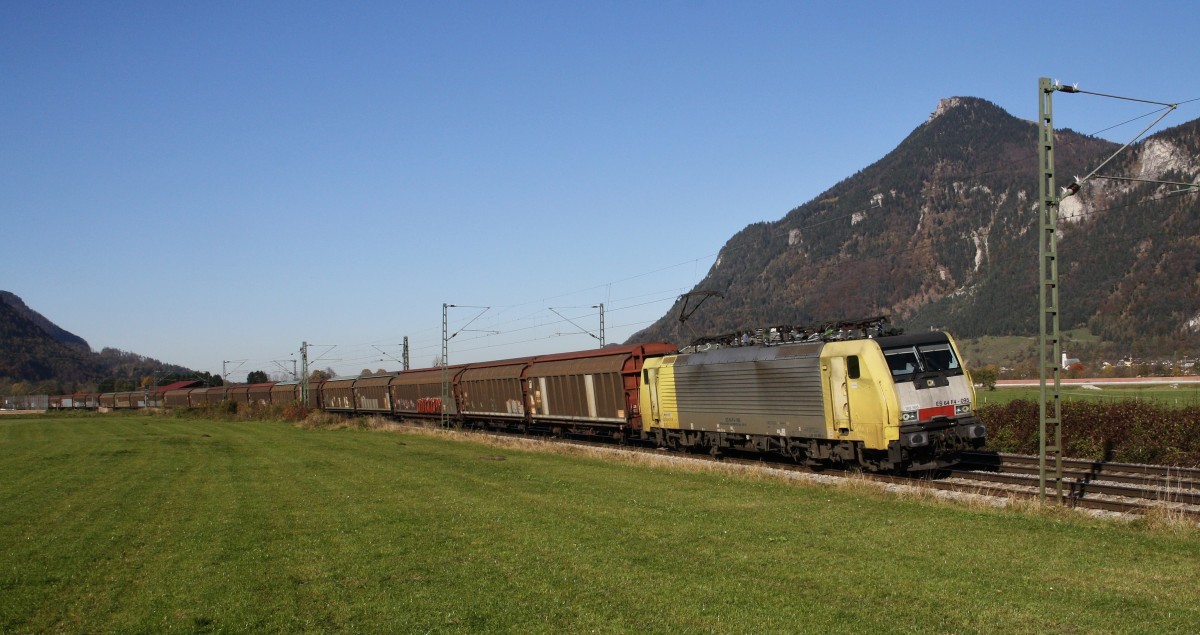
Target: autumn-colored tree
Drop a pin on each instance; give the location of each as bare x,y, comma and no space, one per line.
986,376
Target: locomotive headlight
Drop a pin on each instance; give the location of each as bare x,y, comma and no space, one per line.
908,416
962,409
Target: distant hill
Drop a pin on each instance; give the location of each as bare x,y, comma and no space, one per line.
38,353
941,232
51,329
28,351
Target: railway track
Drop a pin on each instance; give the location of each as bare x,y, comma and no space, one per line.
1110,487
1117,487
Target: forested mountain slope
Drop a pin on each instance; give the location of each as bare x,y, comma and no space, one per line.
29,353
41,357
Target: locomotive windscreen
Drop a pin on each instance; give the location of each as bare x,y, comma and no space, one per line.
907,361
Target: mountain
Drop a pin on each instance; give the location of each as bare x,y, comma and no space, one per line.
29,352
51,329
37,352
942,232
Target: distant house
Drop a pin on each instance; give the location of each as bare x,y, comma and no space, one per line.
1071,363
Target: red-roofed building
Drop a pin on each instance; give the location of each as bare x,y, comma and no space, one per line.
159,391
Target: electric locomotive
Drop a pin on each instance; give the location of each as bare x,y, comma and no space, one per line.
885,402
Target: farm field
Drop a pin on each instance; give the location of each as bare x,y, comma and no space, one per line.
1178,395
142,523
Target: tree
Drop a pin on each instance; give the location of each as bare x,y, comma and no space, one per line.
320,375
986,376
257,377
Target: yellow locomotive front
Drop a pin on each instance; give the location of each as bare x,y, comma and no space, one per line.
936,400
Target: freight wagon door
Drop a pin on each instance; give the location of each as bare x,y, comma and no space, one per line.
839,397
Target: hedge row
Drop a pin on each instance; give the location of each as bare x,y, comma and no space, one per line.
1127,431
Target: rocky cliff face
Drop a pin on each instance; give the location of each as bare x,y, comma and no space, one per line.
942,232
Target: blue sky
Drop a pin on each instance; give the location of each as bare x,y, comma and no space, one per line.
210,181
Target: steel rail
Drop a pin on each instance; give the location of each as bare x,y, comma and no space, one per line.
1164,476
1079,494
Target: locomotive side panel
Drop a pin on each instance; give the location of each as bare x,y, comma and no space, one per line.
861,402
660,390
756,391
649,385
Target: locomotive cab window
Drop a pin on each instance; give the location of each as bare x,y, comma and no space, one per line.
852,370
927,358
939,358
903,362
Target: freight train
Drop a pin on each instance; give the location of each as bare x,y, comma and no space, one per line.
854,396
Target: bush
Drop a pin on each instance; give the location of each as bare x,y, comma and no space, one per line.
986,376
322,419
295,412
1128,431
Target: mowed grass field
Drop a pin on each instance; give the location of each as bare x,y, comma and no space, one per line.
1182,395
154,524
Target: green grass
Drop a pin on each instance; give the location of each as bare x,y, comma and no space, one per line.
999,350
1184,395
1009,350
151,524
